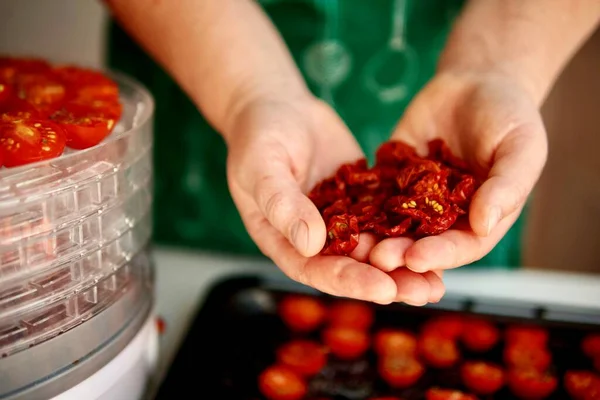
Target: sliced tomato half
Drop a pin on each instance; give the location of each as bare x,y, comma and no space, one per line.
482,377
303,356
530,383
399,370
281,383
24,142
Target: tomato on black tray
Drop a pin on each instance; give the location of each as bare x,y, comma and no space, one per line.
338,349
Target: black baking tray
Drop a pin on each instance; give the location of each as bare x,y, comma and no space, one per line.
236,330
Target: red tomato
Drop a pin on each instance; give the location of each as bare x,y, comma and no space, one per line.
395,341
580,384
482,377
351,314
400,371
522,355
591,345
87,84
530,383
447,325
24,142
530,335
18,110
597,363
302,313
98,108
447,394
479,335
83,131
438,351
44,91
346,343
302,356
281,383
10,67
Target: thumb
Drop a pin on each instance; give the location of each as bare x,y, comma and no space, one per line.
283,204
517,165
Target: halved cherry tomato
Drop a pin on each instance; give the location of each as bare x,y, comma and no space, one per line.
530,335
447,325
482,377
302,313
10,67
580,384
351,314
591,345
479,335
83,131
18,110
303,356
523,355
395,341
24,142
44,91
447,394
399,370
87,84
98,108
281,383
438,351
346,343
530,383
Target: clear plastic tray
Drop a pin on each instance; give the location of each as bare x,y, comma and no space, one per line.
69,226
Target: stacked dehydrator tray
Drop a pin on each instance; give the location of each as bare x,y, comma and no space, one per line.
76,282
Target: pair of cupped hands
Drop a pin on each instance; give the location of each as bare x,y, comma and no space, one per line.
279,148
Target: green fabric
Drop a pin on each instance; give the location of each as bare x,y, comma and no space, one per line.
353,54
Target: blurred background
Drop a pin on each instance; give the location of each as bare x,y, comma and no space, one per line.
563,228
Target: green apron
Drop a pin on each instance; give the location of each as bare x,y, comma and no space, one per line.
367,61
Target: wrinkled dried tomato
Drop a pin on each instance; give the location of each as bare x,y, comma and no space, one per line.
403,194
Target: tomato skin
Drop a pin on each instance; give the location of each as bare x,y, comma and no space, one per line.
302,313
481,377
281,383
304,357
351,314
527,335
438,351
395,341
24,142
531,384
448,325
110,109
400,371
346,343
447,394
591,345
523,355
580,384
479,335
6,93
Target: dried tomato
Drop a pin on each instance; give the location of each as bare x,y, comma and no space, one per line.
403,194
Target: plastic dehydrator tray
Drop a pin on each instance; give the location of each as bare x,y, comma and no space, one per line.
235,332
69,225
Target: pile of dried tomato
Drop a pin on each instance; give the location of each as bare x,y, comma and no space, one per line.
45,108
403,194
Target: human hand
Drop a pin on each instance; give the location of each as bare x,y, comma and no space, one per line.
278,150
494,124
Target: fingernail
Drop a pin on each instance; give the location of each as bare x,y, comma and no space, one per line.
300,236
494,218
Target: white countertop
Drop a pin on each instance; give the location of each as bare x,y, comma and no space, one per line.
183,277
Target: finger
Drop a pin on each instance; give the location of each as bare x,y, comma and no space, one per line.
335,275
454,248
412,288
388,254
289,211
436,285
366,241
517,165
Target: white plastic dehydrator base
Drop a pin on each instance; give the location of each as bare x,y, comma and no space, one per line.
126,376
